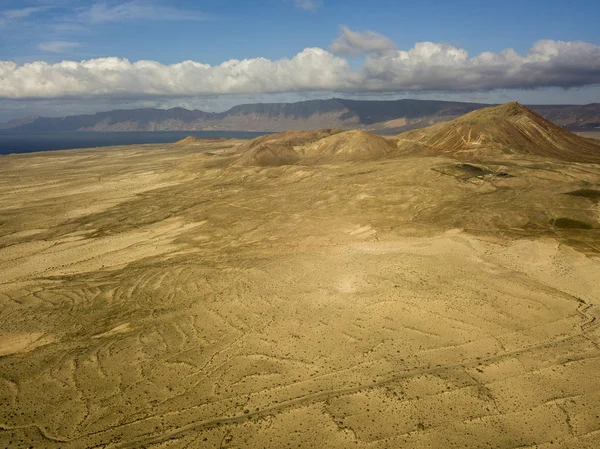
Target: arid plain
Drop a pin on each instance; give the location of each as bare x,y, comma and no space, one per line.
313,289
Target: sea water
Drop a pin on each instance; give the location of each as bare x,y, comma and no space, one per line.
14,142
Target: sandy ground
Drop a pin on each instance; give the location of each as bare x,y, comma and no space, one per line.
158,297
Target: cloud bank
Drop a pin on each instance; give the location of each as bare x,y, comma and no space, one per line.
427,67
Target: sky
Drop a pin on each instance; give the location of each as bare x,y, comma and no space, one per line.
63,57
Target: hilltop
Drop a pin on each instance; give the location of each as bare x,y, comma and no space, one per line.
279,149
290,138
313,147
353,145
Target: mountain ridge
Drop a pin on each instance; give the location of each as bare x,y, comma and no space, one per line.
508,129
385,117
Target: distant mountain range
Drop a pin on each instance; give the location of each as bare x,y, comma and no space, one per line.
386,117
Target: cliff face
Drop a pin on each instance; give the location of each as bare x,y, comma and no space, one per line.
381,116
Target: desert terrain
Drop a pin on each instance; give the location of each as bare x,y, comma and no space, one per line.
435,289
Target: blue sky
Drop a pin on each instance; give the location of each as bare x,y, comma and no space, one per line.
365,49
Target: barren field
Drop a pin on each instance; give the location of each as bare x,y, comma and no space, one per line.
166,297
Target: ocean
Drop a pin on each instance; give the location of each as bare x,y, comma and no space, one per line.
13,142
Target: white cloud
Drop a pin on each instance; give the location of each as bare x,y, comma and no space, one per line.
311,69
427,67
11,16
308,5
353,43
135,10
441,67
58,46
21,13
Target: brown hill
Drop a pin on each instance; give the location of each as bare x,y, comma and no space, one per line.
267,154
280,148
349,146
289,138
509,128
327,145
193,140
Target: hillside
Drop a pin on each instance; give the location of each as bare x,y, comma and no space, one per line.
509,128
349,146
388,117
314,147
290,138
